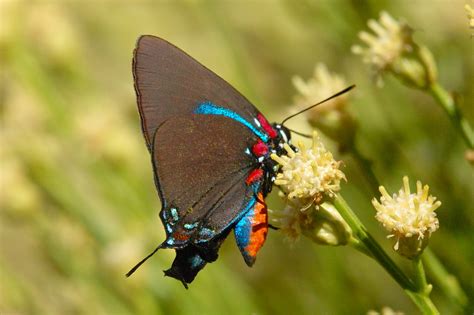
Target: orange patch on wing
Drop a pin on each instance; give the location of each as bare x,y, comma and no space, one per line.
180,236
259,228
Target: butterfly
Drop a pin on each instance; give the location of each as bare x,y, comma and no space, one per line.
210,149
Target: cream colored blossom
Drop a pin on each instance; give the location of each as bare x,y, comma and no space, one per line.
322,84
409,217
470,15
309,174
391,40
392,49
331,117
306,177
293,219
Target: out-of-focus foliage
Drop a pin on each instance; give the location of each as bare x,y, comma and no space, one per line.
78,204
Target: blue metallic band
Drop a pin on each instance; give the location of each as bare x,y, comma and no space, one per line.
208,108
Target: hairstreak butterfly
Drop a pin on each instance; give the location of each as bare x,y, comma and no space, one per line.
210,149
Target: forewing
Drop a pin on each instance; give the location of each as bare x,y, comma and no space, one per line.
169,82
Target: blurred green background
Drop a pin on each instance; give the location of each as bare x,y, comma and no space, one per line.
78,203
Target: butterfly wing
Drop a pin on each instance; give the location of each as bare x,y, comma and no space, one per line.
169,82
201,169
201,173
199,130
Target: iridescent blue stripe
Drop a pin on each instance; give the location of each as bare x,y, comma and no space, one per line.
243,229
208,108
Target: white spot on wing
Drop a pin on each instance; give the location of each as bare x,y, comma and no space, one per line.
257,122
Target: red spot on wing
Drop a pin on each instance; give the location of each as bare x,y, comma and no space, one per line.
259,148
266,126
254,176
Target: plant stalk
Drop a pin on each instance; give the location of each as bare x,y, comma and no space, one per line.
423,301
445,99
420,276
441,277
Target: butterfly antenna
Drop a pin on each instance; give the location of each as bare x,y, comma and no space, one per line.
142,261
300,133
312,106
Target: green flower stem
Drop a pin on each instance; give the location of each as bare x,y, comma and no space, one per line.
360,232
423,288
446,281
423,302
420,277
448,103
355,243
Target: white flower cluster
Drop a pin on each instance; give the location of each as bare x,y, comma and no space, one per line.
410,217
391,48
309,174
322,84
306,177
470,15
391,40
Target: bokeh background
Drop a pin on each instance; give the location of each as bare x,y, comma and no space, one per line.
78,203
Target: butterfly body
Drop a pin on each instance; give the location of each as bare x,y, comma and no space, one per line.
210,150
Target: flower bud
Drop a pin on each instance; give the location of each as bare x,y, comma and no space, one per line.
320,223
328,227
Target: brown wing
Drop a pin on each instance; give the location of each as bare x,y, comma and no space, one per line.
168,82
201,165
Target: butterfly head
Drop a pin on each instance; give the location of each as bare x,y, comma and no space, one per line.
283,136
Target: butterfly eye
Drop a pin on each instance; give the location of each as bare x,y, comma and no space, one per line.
283,132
